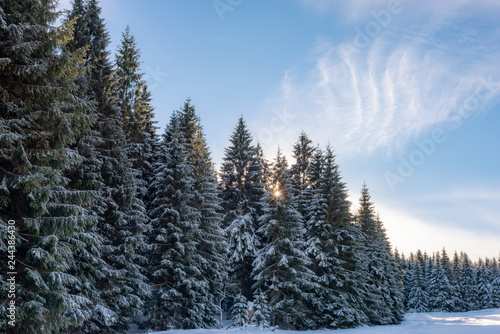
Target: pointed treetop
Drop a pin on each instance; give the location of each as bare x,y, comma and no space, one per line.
366,206
303,152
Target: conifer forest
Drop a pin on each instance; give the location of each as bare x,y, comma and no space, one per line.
118,222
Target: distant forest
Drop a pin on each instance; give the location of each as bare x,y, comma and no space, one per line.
115,224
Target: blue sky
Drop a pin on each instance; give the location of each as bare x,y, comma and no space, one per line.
406,92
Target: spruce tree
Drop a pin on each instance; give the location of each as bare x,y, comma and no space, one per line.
262,169
495,284
331,243
456,274
41,120
467,282
433,284
281,270
89,264
212,243
137,113
242,190
444,277
490,275
483,285
303,152
180,291
128,78
383,295
262,315
438,287
407,270
418,299
239,311
119,284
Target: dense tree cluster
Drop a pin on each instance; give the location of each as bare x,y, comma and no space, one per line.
116,225
439,284
296,250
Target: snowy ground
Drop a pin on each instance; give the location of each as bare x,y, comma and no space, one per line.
480,322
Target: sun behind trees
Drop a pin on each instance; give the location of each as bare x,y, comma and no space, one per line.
313,266
116,226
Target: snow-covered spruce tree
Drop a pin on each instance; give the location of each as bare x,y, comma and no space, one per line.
483,285
491,274
281,270
455,283
90,33
134,100
331,244
407,270
393,279
401,268
495,284
468,282
239,311
315,172
212,242
41,119
119,286
122,223
128,80
447,304
303,153
433,284
262,314
242,190
418,299
383,296
261,167
439,288
180,292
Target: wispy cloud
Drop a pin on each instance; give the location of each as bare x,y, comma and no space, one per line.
405,81
359,10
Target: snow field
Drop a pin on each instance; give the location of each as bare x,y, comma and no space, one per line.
473,322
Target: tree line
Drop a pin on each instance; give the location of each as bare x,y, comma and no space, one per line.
437,283
115,224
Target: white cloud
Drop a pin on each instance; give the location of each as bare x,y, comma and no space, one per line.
379,92
358,10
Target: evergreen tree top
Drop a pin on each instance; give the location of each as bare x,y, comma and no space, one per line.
303,151
366,213
279,178
316,168
241,144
